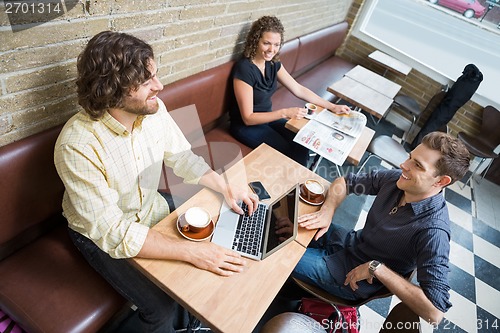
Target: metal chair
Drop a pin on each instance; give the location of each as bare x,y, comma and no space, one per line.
484,144
401,319
411,107
389,150
385,149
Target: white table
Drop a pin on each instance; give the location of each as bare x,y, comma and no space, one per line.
389,63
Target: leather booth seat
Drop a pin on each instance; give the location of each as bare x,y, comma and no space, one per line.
311,60
45,283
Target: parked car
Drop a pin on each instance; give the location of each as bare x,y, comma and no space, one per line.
469,8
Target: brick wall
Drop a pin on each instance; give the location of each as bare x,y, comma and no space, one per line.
416,84
38,63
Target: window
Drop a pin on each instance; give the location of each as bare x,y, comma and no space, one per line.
435,40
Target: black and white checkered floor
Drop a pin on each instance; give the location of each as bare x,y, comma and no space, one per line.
474,262
474,276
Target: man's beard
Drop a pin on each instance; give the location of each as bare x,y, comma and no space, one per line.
141,108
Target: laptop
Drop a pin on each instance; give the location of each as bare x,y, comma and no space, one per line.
267,230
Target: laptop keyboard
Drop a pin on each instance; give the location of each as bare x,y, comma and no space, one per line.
248,237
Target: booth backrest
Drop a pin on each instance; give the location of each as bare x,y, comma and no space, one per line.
31,189
288,55
318,46
208,90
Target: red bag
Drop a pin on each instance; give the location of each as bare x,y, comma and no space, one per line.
326,315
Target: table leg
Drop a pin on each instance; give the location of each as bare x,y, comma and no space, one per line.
376,121
317,160
316,163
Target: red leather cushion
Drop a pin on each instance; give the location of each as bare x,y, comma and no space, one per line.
208,90
288,55
317,79
31,189
319,45
49,287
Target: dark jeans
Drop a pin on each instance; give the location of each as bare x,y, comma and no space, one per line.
312,267
157,311
273,134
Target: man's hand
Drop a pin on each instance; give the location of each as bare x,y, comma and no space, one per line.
233,194
318,220
359,273
284,228
216,259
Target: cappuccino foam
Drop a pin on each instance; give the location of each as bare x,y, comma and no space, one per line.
197,217
314,187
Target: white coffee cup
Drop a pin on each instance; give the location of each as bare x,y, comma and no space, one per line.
311,108
195,219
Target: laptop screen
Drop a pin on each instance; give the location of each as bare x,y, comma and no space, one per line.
283,224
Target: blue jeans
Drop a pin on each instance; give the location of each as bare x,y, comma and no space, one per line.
158,312
274,134
312,266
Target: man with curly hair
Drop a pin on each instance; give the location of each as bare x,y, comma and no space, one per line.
255,79
109,157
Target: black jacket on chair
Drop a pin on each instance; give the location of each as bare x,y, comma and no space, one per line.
463,89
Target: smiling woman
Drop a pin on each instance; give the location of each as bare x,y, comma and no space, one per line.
435,41
255,80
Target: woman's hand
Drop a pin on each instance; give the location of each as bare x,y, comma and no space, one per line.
341,109
297,113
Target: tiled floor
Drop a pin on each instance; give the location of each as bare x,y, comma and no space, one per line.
474,263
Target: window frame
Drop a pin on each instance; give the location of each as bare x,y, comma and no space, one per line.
446,74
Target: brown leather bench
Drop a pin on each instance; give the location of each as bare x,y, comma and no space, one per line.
311,60
45,284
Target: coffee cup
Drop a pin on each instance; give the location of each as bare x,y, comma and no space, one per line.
311,108
312,189
195,219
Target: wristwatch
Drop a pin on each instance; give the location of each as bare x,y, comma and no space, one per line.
373,266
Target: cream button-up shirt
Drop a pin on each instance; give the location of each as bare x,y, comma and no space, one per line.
111,176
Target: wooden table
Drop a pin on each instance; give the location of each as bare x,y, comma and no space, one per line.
362,96
374,81
236,303
389,63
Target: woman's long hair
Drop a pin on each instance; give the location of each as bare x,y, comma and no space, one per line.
259,27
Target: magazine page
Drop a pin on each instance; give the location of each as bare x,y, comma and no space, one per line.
326,141
332,136
352,123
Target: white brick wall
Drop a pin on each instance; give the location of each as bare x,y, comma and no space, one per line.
38,64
